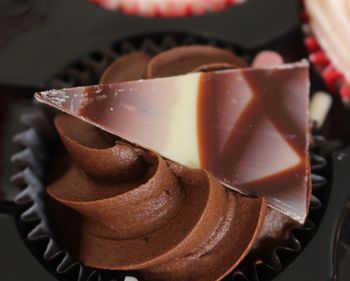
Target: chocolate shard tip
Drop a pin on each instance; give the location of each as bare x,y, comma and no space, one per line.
240,124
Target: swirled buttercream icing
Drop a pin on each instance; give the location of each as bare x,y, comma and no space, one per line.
126,208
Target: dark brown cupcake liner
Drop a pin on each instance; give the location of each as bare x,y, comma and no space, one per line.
40,138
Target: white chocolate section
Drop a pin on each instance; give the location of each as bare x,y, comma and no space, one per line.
330,21
321,103
181,144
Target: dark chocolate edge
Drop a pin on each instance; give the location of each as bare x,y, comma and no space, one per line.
30,216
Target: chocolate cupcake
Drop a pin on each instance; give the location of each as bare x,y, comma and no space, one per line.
167,229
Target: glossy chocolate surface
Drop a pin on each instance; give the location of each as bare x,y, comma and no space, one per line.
249,155
239,124
114,171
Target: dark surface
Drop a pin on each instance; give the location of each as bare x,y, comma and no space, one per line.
52,34
17,263
69,29
316,262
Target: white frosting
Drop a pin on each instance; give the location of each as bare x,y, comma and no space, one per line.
130,278
330,22
321,103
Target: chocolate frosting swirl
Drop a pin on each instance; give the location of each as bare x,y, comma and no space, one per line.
143,213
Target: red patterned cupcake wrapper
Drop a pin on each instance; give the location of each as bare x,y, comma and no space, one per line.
334,79
166,8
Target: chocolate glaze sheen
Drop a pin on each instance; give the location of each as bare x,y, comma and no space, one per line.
129,209
266,104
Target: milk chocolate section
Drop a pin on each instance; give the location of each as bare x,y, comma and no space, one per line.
249,127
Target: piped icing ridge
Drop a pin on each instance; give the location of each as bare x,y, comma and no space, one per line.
174,223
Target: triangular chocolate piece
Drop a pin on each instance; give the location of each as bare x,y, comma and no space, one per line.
249,127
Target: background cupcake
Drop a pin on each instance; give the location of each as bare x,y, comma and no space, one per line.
327,25
166,8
